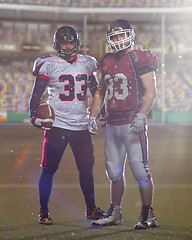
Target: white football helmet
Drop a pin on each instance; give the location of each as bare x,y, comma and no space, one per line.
120,35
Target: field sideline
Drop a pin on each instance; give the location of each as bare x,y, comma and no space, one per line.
170,155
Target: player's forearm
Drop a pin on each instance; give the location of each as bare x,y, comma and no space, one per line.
148,100
38,89
149,84
97,104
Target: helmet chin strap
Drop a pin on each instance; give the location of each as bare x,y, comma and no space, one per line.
68,58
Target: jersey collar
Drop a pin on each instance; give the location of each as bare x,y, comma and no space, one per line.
73,60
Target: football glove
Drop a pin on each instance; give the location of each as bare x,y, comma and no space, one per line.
139,123
92,126
38,122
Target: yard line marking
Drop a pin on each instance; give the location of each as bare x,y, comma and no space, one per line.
97,186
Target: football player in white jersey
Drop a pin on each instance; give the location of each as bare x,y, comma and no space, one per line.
128,78
67,76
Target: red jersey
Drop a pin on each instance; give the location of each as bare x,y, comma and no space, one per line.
124,88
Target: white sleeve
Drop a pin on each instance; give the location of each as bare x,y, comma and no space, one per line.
92,66
41,67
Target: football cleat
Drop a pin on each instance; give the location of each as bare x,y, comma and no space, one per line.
95,214
113,217
44,218
147,220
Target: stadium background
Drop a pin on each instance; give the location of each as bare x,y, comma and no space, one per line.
27,28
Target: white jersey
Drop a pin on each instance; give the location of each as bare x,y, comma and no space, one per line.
67,88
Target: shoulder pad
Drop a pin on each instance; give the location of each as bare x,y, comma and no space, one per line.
101,60
82,57
89,62
144,58
38,63
90,58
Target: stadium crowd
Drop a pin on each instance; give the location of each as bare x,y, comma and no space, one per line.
177,92
148,36
105,3
15,87
16,79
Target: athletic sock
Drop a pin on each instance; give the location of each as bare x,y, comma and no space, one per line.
45,187
145,212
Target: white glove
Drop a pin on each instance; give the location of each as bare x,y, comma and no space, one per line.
92,125
38,122
139,123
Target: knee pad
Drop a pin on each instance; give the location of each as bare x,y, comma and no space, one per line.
114,176
139,170
142,178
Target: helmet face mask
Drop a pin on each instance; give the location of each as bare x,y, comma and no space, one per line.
120,35
64,52
63,35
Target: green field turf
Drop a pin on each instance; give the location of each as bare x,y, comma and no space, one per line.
170,160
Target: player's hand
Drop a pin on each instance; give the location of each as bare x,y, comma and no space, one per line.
92,126
139,123
38,122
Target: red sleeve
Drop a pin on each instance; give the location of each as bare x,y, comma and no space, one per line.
100,64
145,61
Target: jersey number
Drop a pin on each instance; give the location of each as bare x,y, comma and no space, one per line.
120,78
69,87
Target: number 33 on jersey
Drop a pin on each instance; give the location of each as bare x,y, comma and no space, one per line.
68,92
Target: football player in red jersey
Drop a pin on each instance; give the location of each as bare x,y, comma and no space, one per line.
67,76
129,83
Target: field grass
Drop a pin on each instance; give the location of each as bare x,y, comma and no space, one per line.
170,156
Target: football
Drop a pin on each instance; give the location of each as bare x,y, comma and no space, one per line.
45,111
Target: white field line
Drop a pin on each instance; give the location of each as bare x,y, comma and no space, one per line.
97,186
